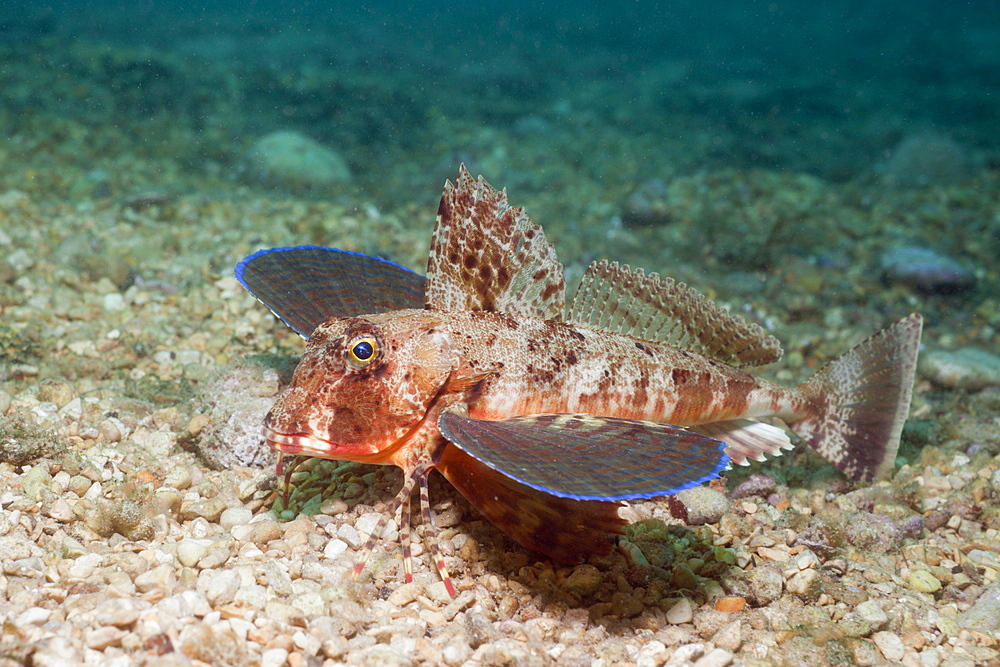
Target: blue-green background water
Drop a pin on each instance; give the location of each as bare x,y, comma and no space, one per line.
668,119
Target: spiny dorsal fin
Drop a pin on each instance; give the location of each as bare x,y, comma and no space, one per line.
617,299
487,255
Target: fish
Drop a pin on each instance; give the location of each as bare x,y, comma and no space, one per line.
549,416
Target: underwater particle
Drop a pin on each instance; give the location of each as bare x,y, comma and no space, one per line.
925,270
968,368
292,160
926,159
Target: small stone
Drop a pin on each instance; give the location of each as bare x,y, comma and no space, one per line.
925,270
405,594
806,584
583,581
890,644
870,613
59,510
178,477
71,548
295,161
160,578
274,657
222,587
729,636
235,516
761,585
924,581
32,616
210,509
189,551
35,483
717,657
968,368
349,534
699,505
680,612
730,604
103,637
334,548
117,612
84,566
651,654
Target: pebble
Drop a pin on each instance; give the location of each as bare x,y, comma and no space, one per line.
699,505
890,645
209,509
924,581
117,612
189,552
293,160
583,581
221,587
274,657
925,270
967,368
806,584
680,612
871,613
235,516
984,616
35,483
101,638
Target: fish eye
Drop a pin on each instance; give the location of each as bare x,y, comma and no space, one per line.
362,351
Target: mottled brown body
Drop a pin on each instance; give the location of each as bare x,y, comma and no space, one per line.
513,397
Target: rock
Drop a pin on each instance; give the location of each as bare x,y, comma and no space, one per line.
760,586
292,160
189,552
235,516
680,612
967,368
984,616
35,483
890,644
648,205
926,159
584,580
924,581
925,270
699,505
870,613
806,584
758,484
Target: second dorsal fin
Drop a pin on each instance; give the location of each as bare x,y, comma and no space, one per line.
619,300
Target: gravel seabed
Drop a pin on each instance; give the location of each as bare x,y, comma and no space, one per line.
120,545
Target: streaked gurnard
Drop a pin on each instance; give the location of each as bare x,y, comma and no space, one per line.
547,418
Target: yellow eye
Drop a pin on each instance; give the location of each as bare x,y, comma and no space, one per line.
362,351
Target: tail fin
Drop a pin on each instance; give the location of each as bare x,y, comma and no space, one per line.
857,404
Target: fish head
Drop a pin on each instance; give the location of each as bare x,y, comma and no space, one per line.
363,387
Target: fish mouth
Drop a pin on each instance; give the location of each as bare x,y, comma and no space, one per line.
298,443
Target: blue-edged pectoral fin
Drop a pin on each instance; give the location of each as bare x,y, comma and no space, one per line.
589,458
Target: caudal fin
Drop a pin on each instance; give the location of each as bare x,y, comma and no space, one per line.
857,404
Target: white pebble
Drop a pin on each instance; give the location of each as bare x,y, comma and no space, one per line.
189,552
84,566
680,612
334,548
32,616
348,533
235,516
274,657
890,644
222,586
113,302
651,654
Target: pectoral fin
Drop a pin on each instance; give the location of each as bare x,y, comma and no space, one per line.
584,457
307,285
